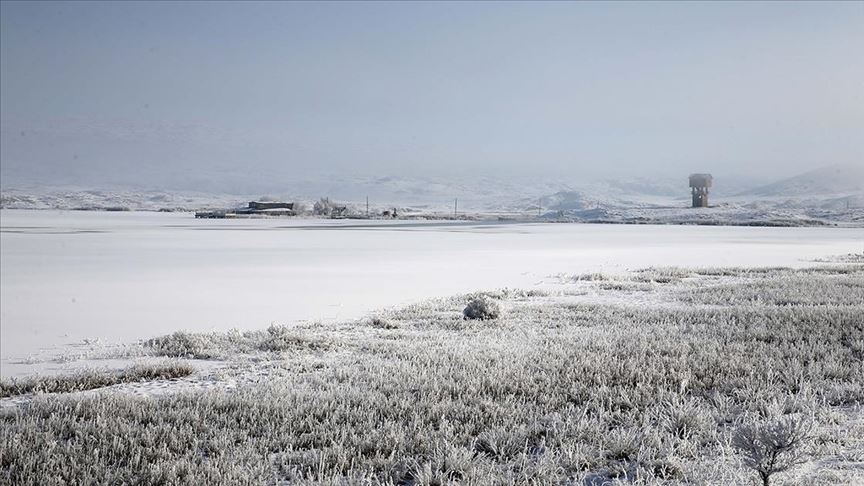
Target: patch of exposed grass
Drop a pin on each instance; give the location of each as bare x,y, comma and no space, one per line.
92,379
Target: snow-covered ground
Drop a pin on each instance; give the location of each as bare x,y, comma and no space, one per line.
70,277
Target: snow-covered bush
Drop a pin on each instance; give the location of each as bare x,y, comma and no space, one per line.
180,345
482,307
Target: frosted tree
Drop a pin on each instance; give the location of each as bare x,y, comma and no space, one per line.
773,446
323,207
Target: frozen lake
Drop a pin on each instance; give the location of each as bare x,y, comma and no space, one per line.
68,276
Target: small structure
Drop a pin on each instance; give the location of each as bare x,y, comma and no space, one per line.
699,184
254,209
211,214
257,205
267,209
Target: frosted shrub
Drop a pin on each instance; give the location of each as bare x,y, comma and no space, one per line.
383,323
180,345
482,308
773,446
684,419
283,338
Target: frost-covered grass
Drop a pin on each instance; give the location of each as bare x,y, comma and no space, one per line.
845,258
218,345
92,379
816,286
813,290
554,391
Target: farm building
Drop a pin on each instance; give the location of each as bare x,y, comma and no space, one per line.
260,206
253,209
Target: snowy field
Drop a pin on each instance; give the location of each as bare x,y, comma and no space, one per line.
70,277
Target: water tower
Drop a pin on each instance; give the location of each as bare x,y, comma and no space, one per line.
699,184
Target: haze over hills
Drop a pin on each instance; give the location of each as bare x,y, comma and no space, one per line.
832,180
829,194
486,103
123,156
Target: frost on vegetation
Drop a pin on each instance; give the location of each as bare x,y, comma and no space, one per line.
785,290
509,294
216,345
625,286
553,393
772,446
587,277
283,338
323,207
180,345
764,272
845,258
482,308
92,379
661,274
740,271
383,323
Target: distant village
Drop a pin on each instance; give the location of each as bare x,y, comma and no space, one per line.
323,208
699,188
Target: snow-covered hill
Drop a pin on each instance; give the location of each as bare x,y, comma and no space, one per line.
833,181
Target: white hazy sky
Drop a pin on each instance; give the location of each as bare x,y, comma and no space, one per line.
143,92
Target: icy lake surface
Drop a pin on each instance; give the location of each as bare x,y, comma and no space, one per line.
70,276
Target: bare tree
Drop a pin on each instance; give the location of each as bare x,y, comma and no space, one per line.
773,446
323,207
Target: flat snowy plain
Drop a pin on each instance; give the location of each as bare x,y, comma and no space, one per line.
71,276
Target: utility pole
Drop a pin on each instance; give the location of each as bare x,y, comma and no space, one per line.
455,206
367,206
539,206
